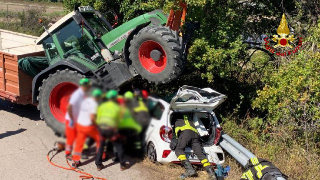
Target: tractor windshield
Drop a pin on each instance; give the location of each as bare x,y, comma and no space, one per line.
96,23
74,41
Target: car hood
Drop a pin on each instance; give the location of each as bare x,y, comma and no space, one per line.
190,98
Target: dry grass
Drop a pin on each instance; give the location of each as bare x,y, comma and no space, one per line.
168,171
294,162
173,171
235,169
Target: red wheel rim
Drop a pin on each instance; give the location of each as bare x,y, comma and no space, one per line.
147,62
59,99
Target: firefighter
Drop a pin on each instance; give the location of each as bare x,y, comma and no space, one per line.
130,127
260,169
140,110
108,118
127,121
185,134
86,124
73,112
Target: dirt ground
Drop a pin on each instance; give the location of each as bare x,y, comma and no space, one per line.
25,141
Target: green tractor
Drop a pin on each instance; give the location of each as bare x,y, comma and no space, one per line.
84,43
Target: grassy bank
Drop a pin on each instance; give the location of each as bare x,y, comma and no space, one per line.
35,2
288,155
290,158
26,21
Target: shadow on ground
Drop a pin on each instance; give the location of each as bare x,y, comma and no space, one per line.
27,111
91,153
11,133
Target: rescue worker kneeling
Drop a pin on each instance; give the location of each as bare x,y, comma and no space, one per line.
129,127
108,118
86,124
187,134
260,169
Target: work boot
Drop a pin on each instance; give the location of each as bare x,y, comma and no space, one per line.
75,164
211,174
100,167
189,170
122,167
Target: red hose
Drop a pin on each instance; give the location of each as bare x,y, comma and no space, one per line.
84,176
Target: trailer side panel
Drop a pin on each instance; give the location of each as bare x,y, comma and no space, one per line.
15,85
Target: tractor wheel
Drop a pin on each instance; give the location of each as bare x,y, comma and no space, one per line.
156,54
54,97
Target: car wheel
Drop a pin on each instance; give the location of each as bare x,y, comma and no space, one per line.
152,153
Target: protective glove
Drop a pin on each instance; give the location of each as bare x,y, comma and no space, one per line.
173,144
71,123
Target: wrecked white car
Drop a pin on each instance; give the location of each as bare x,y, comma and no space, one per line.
201,103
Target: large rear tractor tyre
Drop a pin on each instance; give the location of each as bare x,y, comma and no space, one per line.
54,96
156,54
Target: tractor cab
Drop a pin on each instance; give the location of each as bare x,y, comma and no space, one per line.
76,37
95,21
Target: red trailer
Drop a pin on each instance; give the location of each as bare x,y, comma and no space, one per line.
15,85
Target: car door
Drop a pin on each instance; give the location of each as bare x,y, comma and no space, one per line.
158,112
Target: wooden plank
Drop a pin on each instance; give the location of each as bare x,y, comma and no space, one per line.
8,96
15,85
12,77
32,54
11,59
12,87
1,84
11,66
3,71
9,56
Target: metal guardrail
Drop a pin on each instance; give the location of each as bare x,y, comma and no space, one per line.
237,151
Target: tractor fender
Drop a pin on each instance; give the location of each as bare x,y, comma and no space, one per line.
130,37
62,64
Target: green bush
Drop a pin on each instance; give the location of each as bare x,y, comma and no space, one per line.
26,21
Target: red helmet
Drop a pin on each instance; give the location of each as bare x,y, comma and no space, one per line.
145,94
120,100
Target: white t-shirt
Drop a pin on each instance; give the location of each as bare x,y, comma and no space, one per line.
88,106
75,100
